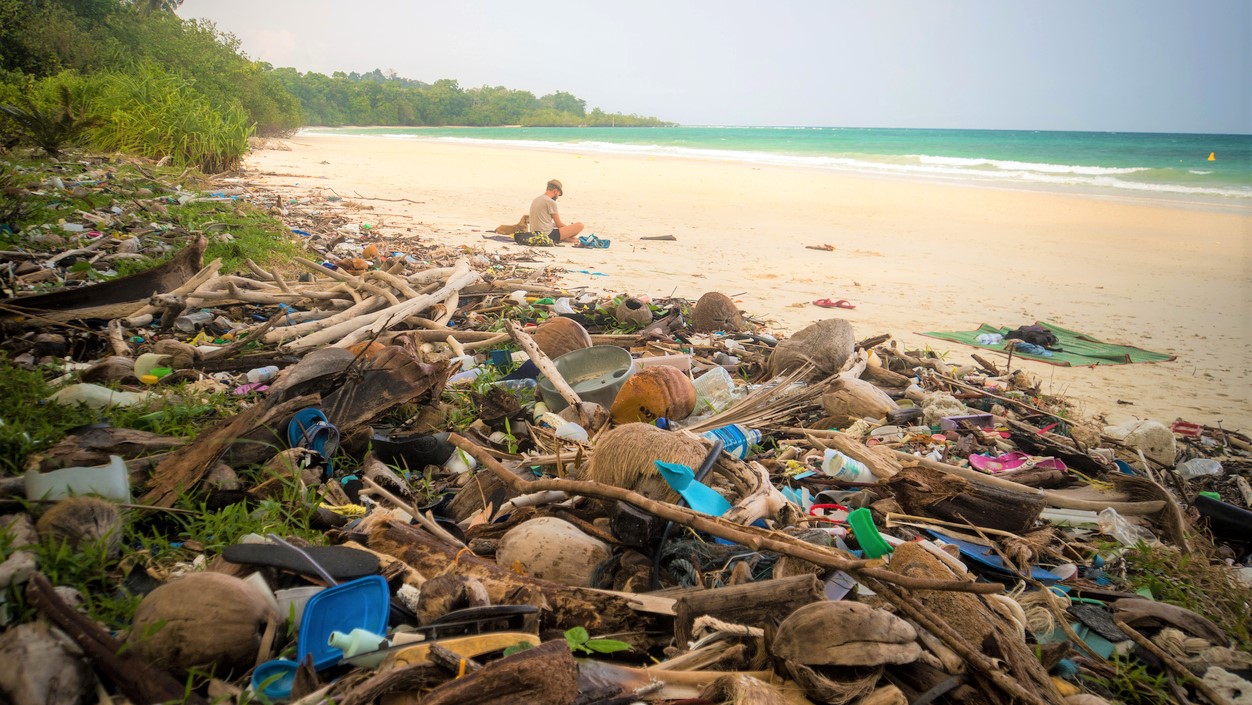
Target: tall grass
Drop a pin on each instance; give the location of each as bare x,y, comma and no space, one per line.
153,113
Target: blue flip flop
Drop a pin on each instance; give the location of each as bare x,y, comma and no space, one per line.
310,428
593,242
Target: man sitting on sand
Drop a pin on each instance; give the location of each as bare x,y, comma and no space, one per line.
544,218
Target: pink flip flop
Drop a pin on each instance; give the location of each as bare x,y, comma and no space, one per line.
1016,460
827,303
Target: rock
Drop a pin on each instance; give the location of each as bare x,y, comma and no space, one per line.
553,549
41,666
202,621
845,634
827,344
714,312
653,393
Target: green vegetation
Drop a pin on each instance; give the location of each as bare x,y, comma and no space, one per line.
133,77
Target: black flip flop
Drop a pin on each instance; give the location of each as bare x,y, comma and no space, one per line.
340,562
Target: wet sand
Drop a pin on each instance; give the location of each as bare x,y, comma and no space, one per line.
910,255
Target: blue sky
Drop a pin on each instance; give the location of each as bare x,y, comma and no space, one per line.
1105,65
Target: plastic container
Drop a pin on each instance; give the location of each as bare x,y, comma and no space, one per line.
110,481
274,679
1199,467
736,439
262,374
1113,524
516,385
715,390
596,374
356,604
571,431
682,363
291,602
841,467
465,377
357,641
96,396
990,339
145,363
191,322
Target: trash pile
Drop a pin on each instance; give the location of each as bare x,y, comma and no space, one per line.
510,492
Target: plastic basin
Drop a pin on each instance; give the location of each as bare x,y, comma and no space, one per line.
596,374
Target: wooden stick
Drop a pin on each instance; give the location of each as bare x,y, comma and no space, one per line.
546,366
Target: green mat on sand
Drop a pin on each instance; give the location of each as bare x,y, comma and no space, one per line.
1075,348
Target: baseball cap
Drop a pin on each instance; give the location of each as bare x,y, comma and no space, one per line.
554,184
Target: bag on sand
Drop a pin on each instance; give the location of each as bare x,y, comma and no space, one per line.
533,239
1033,334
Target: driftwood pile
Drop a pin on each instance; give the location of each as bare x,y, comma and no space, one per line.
902,531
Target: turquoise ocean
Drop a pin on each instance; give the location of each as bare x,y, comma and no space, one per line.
1155,166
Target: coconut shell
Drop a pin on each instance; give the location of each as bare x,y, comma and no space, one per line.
79,521
367,349
625,457
552,549
716,311
559,335
632,310
653,393
110,369
852,399
827,344
202,621
845,634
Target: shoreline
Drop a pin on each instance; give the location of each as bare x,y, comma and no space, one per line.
913,256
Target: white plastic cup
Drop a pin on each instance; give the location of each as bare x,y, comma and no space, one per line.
841,467
715,390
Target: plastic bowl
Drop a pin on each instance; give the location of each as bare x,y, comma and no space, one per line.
596,374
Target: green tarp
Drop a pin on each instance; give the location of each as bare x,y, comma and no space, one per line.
1075,348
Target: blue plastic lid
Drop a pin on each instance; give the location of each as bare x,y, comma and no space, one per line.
363,603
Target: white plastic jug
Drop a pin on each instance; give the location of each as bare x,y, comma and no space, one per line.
109,481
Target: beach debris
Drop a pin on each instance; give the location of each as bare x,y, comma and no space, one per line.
715,312
825,345
659,392
39,664
553,549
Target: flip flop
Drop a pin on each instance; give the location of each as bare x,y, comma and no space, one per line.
340,562
310,429
593,242
1016,460
827,303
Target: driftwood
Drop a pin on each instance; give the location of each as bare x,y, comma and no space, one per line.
753,604
113,298
543,675
139,681
929,492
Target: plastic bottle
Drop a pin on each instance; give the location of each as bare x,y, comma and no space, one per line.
465,377
262,374
96,396
736,439
516,385
1199,467
841,467
990,339
715,390
358,641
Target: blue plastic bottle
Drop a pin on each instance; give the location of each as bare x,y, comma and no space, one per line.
736,439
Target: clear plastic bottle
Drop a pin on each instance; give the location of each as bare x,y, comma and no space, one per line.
715,390
841,467
736,439
262,374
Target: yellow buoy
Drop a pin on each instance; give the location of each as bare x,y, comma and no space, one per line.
1212,156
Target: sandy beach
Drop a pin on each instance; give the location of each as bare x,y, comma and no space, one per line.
912,256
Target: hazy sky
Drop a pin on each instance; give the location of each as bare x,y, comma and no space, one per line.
1120,65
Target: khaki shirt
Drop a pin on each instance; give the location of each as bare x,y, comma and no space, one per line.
542,213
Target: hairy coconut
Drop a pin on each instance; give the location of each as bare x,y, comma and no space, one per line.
553,549
716,311
559,335
79,521
653,393
850,399
827,344
39,665
625,457
632,310
203,620
845,634
181,354
445,593
110,369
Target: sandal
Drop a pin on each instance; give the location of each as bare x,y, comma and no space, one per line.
310,429
1016,460
593,242
827,303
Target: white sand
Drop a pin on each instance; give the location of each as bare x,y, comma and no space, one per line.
912,256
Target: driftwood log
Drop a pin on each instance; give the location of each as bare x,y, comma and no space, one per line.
542,675
927,492
753,604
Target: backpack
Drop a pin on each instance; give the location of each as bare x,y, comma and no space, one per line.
1034,334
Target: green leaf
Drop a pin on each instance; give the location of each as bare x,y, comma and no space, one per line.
517,648
577,636
606,646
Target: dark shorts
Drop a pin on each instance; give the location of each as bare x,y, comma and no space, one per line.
537,239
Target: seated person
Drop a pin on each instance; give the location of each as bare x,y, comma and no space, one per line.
545,219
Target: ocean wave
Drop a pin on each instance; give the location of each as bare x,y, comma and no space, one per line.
1027,166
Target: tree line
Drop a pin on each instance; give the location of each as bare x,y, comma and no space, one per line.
130,69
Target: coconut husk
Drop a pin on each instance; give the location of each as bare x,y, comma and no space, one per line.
79,521
654,393
625,457
845,634
850,399
632,310
202,621
553,549
41,666
445,593
826,345
559,335
741,689
716,311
